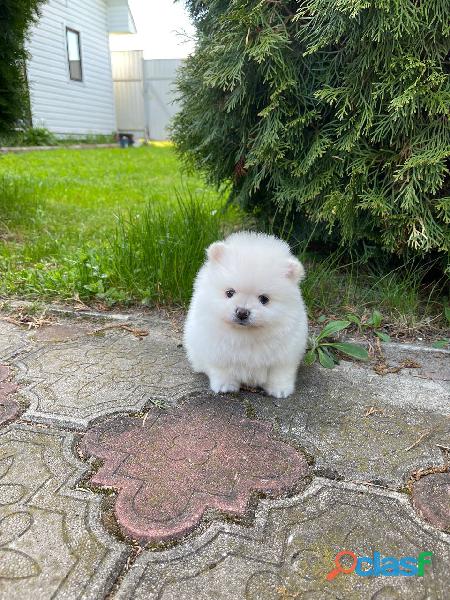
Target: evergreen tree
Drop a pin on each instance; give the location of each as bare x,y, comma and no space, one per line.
336,108
16,16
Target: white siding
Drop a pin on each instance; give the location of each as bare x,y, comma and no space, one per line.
120,19
58,103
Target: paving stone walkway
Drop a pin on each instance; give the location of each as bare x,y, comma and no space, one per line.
122,476
9,408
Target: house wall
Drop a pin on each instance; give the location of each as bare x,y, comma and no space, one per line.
58,103
120,19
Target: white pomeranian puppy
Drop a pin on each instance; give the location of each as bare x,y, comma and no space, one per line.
247,322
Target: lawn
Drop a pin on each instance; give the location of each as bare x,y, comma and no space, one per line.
118,226
82,191
61,211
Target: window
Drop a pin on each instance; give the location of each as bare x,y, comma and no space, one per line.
74,54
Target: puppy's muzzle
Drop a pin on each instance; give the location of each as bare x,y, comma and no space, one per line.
241,315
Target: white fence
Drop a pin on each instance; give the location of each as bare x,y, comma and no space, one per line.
144,94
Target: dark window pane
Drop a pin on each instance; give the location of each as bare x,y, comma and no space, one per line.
75,69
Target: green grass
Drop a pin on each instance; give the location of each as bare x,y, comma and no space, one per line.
126,226
60,210
156,254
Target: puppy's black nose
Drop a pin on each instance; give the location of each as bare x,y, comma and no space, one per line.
242,314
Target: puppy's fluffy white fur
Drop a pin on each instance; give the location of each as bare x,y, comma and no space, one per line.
266,347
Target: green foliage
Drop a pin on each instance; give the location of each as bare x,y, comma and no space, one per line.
29,136
16,17
59,211
90,138
323,347
337,111
444,342
38,136
373,323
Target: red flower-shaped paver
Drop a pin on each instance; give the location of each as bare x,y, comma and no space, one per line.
172,466
431,498
9,408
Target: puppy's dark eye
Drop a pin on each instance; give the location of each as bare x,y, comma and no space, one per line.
263,299
230,293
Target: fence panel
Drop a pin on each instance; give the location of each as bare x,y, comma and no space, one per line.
160,104
128,78
144,94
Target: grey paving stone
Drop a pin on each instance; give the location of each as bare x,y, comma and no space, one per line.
433,364
74,383
51,543
9,408
326,416
59,333
13,339
357,426
291,548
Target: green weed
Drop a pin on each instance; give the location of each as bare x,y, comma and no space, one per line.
325,349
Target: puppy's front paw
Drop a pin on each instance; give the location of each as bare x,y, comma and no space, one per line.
281,381
279,391
222,381
222,387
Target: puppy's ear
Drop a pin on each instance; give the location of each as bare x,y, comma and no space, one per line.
215,251
295,270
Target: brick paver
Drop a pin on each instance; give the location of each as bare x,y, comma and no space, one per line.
174,465
431,497
291,549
